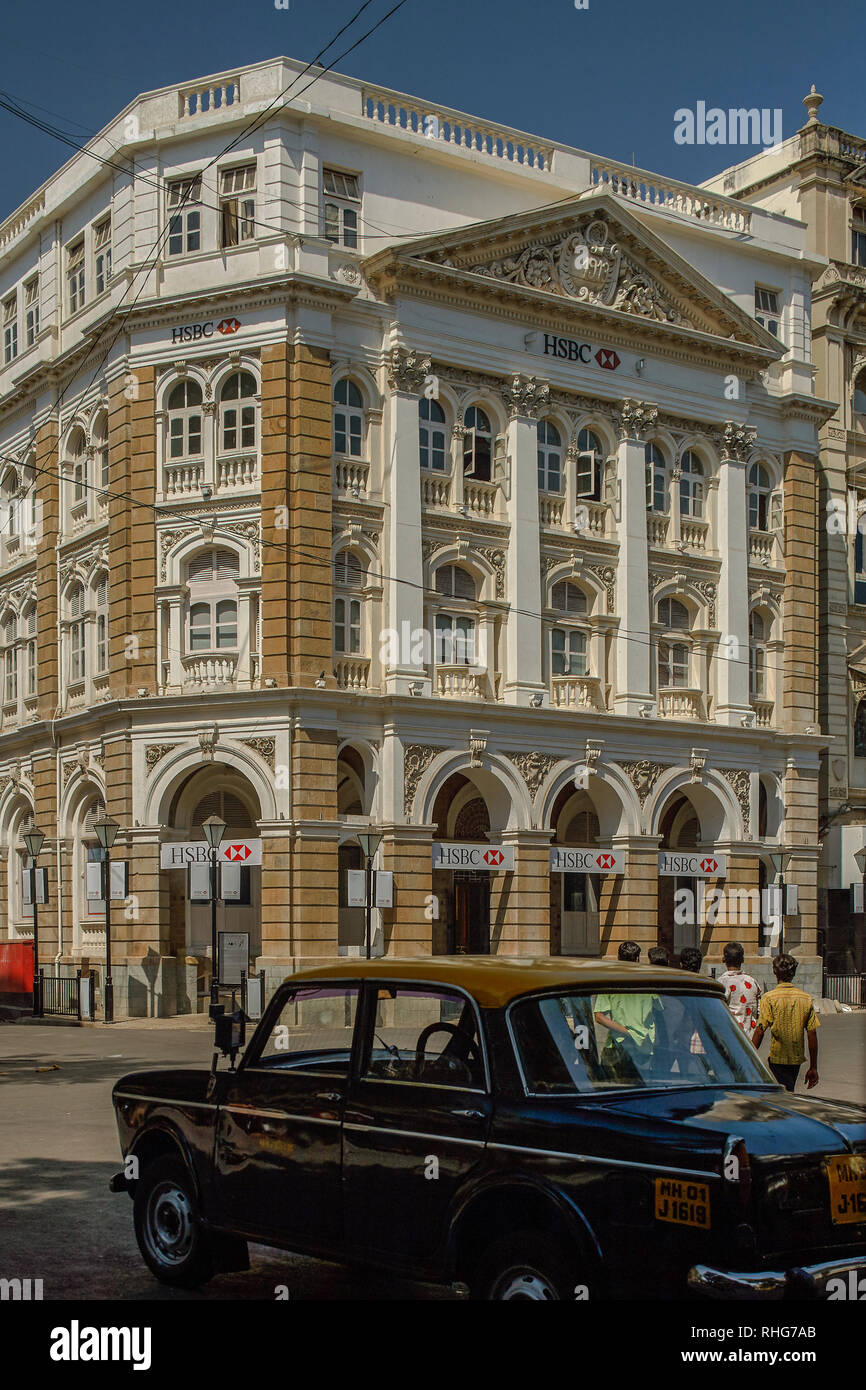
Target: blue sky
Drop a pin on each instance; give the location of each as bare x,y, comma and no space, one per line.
607,79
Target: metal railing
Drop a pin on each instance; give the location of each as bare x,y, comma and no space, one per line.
847,989
68,996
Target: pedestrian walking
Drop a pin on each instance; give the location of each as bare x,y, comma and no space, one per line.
787,1012
742,993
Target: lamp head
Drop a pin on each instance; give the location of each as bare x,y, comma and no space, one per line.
214,829
34,840
370,840
106,831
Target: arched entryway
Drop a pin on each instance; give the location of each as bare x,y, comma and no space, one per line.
214,790
463,925
678,926
575,898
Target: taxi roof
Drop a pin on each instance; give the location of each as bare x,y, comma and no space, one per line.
495,980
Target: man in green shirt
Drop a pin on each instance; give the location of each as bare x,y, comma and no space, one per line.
631,1020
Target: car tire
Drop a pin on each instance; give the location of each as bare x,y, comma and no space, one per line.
168,1227
528,1267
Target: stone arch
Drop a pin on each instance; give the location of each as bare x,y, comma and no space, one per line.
478,566
713,799
600,426
610,790
189,545
584,578
496,779
226,368
490,403
192,372
360,374
175,768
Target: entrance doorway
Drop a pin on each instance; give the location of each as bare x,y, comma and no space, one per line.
469,927
580,920
680,900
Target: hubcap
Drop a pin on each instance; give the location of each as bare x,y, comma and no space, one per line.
169,1224
525,1284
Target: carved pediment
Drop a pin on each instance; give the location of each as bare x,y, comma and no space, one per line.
591,253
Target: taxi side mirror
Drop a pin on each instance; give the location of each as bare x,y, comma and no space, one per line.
229,1031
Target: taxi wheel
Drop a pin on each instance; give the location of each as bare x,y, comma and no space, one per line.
529,1268
167,1227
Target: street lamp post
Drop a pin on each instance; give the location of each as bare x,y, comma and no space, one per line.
34,840
214,829
780,862
369,840
106,833
860,861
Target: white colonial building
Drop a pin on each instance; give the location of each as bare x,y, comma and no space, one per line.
365,464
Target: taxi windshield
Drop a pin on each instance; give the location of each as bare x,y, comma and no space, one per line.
575,1043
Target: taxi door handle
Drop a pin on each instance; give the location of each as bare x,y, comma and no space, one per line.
333,1096
468,1114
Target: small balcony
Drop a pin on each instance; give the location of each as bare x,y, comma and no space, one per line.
351,478
352,672
763,713
679,702
182,480
435,489
762,548
693,533
207,670
657,528
479,498
461,682
576,692
589,518
237,472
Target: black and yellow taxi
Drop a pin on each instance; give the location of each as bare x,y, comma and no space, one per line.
527,1128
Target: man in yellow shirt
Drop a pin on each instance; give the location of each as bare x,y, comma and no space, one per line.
788,1013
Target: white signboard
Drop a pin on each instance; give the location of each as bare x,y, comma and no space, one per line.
234,956
230,883
496,859
199,883
41,889
119,881
183,852
700,864
383,888
566,860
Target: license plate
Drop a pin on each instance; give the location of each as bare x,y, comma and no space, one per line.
847,1178
685,1203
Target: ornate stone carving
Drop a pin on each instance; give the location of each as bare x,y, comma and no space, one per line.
635,418
592,752
477,747
607,575
249,531
525,396
168,539
417,757
496,559
709,591
208,740
644,775
407,370
154,752
586,265
69,769
740,780
265,747
735,441
697,762
534,767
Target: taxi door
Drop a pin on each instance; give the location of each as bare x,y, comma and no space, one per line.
416,1119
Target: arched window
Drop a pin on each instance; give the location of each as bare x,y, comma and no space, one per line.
477,445
184,420
10,659
213,605
9,507
860,730
759,632
673,615
29,625
100,444
673,657
691,485
549,457
760,488
350,573
590,461
656,479
568,644
431,435
237,413
860,394
454,582
77,634
102,624
348,418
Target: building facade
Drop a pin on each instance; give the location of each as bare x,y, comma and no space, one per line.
819,176
366,465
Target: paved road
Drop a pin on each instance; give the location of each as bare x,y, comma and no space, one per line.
58,1148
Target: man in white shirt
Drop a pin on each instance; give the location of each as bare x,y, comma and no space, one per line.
742,993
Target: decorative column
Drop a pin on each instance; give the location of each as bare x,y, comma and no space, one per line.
732,543
402,492
633,685
523,646
458,433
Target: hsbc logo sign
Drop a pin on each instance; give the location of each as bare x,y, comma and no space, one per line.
565,860
494,859
192,332
574,351
182,853
701,865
